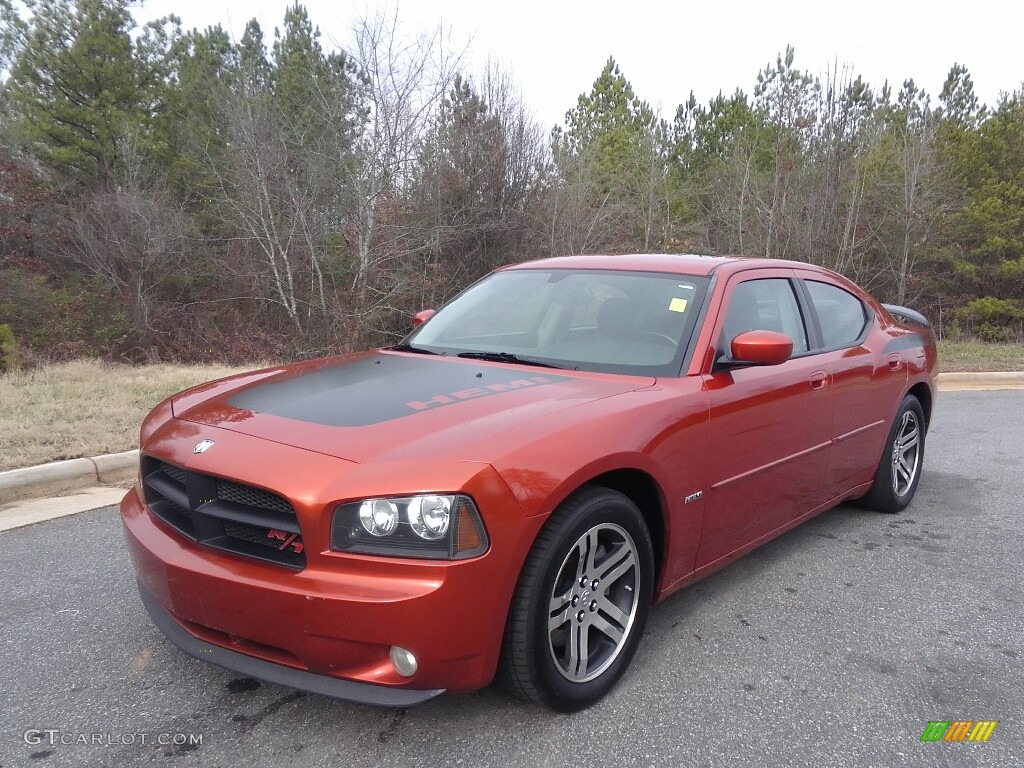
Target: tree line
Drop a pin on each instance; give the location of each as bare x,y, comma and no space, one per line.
172,194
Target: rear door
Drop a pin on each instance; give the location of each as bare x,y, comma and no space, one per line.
770,425
866,386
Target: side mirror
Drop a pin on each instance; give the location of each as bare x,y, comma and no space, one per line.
421,317
761,348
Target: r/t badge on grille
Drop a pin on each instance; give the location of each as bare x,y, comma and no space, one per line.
291,540
205,445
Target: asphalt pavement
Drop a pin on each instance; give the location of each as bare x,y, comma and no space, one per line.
834,645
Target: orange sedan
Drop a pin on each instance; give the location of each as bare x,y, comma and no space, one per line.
563,444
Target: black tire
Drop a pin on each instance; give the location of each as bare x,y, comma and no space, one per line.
604,530
893,490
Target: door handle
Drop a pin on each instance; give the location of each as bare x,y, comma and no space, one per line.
895,362
819,380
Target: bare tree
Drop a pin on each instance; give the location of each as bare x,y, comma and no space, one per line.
401,82
133,238
786,97
262,198
916,133
839,176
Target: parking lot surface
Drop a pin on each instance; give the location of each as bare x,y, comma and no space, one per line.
834,645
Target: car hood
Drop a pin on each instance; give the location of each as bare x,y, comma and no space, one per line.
385,406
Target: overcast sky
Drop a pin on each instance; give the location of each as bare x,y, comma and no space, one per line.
556,48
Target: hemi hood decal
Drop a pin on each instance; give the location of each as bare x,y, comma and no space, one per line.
383,387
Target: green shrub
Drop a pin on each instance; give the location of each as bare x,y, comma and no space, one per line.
74,317
995,334
993,320
9,359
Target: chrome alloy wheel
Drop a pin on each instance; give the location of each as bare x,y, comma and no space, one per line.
906,453
593,602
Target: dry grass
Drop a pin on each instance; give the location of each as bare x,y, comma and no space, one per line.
85,408
957,356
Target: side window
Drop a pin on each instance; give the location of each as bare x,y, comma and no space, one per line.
764,305
841,314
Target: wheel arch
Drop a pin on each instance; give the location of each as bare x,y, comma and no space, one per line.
643,490
924,395
638,485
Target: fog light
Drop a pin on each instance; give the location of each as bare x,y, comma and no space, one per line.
403,661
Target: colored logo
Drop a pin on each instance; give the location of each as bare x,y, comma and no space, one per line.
292,541
959,730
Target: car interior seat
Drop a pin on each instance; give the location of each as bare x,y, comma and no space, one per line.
618,319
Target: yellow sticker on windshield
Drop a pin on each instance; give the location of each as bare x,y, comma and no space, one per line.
677,305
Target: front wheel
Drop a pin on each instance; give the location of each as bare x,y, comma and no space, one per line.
899,471
581,603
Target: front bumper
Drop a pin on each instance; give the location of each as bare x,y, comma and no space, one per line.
329,628
363,693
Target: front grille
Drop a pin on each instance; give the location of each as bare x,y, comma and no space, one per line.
176,474
224,514
252,497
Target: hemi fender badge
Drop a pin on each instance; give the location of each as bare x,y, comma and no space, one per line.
693,497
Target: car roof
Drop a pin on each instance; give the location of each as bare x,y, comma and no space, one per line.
679,263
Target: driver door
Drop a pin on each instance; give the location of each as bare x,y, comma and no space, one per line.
770,425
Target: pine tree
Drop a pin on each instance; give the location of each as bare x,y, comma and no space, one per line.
959,103
78,83
253,74
610,126
612,157
190,132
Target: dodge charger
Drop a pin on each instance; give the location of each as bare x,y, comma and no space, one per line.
508,491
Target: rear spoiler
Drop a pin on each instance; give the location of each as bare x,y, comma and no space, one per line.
906,315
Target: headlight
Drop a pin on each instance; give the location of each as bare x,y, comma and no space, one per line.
378,516
434,525
430,516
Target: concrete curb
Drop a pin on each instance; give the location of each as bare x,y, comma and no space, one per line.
71,475
75,474
952,382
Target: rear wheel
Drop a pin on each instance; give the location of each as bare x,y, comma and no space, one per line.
581,602
899,471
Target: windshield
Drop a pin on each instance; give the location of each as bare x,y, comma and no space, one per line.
591,320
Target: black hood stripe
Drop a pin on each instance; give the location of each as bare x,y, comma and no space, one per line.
381,388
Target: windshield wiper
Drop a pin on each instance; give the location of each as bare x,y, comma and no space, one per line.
403,347
506,357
